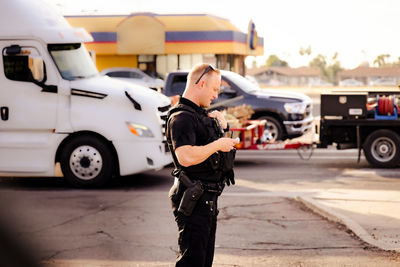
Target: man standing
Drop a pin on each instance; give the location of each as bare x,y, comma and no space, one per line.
203,161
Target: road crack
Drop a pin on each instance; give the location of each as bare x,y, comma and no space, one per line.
290,249
225,216
101,208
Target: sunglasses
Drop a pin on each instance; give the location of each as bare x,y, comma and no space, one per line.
207,70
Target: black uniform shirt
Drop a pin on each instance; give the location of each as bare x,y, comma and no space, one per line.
194,129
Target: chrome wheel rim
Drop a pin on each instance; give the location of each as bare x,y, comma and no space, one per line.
271,130
383,149
86,162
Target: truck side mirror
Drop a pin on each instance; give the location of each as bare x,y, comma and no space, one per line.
36,66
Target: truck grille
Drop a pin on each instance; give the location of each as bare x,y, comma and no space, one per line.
164,109
308,110
163,112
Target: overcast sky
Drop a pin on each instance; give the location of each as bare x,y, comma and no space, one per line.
358,30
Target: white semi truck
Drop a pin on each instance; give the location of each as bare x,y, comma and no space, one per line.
55,107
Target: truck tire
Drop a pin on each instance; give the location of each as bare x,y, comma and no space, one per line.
382,148
273,128
86,161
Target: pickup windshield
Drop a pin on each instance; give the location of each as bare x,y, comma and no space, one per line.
241,82
73,61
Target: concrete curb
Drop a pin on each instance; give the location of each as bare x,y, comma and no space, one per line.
335,216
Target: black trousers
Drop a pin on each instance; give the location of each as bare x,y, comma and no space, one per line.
196,239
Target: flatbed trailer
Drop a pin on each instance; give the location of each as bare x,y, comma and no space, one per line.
367,121
252,138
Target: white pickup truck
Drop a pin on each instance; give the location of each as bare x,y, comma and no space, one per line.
55,107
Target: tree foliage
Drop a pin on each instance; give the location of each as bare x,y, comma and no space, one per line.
275,61
329,67
318,62
305,51
381,60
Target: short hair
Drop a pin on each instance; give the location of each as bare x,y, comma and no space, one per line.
197,71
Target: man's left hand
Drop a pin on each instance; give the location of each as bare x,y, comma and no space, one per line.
219,116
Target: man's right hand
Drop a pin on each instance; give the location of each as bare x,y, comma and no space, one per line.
226,144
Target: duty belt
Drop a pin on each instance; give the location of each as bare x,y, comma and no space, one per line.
212,187
207,186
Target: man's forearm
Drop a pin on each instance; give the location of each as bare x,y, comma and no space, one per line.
192,155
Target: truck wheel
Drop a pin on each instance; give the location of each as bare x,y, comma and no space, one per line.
382,148
86,161
273,128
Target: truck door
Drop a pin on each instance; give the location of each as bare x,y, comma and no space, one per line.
228,96
28,110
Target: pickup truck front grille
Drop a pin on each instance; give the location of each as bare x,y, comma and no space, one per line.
308,110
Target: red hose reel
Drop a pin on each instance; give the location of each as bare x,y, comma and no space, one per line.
386,105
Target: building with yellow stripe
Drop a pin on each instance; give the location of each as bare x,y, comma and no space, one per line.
168,42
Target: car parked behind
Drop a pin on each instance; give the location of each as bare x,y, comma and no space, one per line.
351,82
134,75
389,81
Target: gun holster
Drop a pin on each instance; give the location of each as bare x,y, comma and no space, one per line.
191,195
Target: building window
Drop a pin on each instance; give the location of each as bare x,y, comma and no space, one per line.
166,63
148,64
226,62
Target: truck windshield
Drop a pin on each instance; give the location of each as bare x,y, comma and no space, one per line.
73,61
241,82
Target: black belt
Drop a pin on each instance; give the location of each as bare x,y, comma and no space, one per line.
212,187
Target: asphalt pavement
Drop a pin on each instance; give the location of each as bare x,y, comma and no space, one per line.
262,220
357,199
134,227
367,207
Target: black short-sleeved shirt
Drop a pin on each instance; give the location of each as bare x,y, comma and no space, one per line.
194,129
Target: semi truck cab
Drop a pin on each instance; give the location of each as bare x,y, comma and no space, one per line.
55,107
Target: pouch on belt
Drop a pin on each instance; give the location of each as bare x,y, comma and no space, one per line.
191,195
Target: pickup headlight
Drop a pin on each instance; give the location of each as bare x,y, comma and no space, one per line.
139,129
298,107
